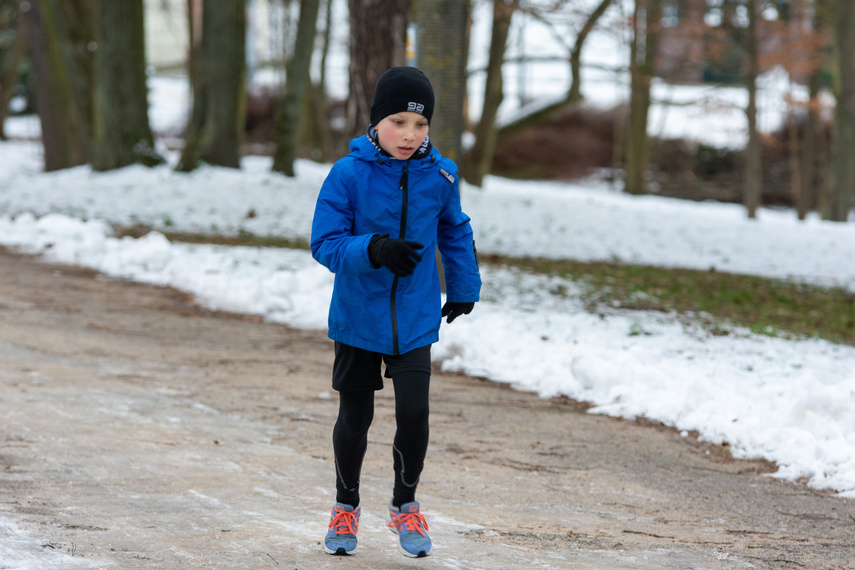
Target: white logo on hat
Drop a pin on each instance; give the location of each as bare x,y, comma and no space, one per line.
414,107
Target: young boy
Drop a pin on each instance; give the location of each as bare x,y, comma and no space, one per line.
380,215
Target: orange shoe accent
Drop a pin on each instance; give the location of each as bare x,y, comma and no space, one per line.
345,522
410,521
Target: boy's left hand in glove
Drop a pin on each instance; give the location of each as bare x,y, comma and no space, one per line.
454,310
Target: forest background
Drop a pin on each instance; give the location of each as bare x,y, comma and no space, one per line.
82,66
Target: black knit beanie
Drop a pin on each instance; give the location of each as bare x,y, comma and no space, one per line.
402,89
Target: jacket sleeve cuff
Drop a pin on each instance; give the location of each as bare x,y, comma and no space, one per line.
359,249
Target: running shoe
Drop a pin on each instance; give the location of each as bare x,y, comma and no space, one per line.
341,536
411,528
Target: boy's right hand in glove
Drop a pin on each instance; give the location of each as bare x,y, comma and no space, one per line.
400,256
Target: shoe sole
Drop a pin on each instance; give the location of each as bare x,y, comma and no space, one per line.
340,551
421,554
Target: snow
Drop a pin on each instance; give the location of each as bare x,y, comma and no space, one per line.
789,401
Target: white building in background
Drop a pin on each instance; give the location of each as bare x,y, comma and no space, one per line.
167,35
167,32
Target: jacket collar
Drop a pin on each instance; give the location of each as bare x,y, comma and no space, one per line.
421,153
368,148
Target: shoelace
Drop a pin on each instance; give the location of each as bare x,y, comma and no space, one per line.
344,522
411,522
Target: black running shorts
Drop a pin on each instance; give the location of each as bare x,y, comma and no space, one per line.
359,369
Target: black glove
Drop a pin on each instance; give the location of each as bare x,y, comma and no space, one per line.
454,310
398,255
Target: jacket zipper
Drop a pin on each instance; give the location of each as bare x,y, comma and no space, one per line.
404,187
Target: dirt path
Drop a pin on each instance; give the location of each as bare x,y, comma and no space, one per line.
140,431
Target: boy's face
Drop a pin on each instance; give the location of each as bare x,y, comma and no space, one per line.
402,134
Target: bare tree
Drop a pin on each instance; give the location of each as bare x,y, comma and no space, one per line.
843,150
378,39
10,70
315,129
574,93
801,48
443,48
194,36
814,150
479,160
646,27
755,43
121,131
752,182
215,132
297,82
77,20
63,126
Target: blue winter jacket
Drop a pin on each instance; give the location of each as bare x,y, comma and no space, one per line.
366,193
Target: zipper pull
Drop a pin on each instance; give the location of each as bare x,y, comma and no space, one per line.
404,176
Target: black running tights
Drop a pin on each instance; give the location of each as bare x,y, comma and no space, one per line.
350,437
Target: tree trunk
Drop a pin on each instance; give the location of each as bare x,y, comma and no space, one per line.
575,93
77,21
752,180
11,66
794,153
215,132
843,150
479,160
297,81
646,24
194,34
121,133
378,40
315,131
824,16
811,150
443,50
63,135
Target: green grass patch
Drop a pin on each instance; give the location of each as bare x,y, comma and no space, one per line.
766,306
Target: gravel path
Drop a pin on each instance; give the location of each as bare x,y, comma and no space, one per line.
138,430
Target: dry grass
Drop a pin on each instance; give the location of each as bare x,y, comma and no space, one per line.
717,300
714,299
